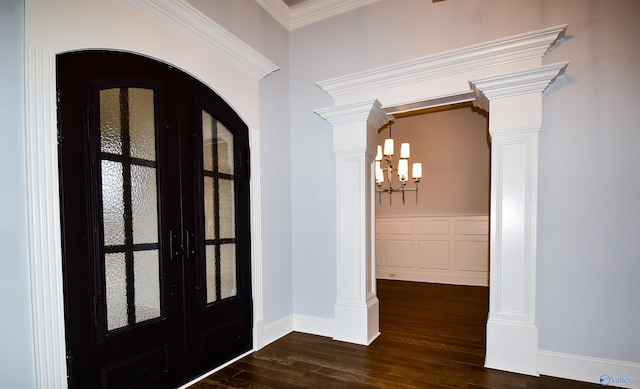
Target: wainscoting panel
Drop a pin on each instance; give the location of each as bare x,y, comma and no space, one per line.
440,249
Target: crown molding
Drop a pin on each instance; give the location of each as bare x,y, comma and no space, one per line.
191,22
516,83
278,10
316,10
309,12
532,45
355,113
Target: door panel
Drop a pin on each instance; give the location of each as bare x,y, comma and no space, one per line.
129,206
133,218
220,314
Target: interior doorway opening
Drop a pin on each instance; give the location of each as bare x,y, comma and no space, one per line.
439,233
433,248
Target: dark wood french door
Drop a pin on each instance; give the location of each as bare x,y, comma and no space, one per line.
154,185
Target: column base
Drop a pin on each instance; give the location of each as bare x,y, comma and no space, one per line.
357,323
512,346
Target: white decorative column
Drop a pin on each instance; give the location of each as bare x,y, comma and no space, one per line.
354,142
514,103
43,199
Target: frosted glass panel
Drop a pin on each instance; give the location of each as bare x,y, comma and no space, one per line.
219,209
112,203
210,252
142,124
207,138
115,279
225,150
146,284
144,204
110,138
209,216
227,209
228,283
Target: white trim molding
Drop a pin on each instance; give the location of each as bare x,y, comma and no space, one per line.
255,195
45,255
199,28
314,11
299,323
605,372
514,101
516,83
354,135
527,48
313,325
277,329
509,81
309,12
440,249
278,10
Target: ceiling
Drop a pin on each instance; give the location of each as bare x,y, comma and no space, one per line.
293,3
293,14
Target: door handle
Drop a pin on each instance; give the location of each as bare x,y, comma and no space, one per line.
175,247
191,245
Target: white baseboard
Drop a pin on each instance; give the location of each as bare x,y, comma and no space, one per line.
512,346
299,323
258,335
458,278
313,325
278,329
579,368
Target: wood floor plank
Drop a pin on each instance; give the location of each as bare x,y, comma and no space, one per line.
432,336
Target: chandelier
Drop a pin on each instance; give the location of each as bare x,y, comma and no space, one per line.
403,170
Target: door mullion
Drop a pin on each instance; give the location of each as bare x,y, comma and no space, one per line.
216,207
128,212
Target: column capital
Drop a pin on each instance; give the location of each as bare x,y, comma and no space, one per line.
515,84
367,111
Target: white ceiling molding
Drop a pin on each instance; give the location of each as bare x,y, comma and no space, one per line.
191,22
514,84
310,11
532,45
278,10
354,113
316,10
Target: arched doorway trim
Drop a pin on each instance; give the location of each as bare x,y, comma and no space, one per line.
508,81
51,29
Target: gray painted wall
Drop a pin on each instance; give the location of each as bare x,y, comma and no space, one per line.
254,26
16,338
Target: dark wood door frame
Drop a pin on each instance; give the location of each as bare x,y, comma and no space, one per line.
186,313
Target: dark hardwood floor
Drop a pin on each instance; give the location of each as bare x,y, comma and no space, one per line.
432,336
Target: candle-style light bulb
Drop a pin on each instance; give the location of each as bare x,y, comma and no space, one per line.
379,174
404,151
403,170
388,147
417,171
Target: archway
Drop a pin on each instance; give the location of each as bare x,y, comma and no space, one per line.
47,34
504,77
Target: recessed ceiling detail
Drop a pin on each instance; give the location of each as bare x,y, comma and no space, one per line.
293,14
293,3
